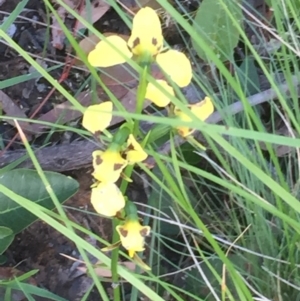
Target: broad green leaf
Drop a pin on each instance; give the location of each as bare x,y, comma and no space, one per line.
28,184
5,232
215,27
6,238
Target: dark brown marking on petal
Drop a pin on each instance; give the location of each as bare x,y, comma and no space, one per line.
136,42
98,160
117,166
130,147
154,41
144,232
123,232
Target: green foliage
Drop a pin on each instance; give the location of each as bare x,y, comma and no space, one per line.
14,287
6,238
214,25
248,76
28,184
161,199
246,190
212,268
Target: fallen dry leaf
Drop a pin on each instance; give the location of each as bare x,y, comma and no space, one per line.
103,271
64,113
136,5
30,84
99,268
91,13
12,109
58,35
94,13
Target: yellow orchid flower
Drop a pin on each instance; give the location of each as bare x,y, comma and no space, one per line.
97,118
135,152
202,110
107,199
132,235
108,165
145,42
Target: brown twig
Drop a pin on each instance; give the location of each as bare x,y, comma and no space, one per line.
78,154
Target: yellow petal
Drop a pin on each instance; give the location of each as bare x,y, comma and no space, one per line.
107,199
184,131
108,166
201,110
105,55
158,96
97,117
135,151
177,66
146,36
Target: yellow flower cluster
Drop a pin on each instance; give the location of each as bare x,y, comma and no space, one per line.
108,165
145,45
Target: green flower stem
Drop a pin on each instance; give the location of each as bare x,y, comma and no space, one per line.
140,97
121,136
128,171
131,211
122,133
141,92
114,261
115,252
118,140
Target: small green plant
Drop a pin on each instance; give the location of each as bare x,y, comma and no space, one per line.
28,184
